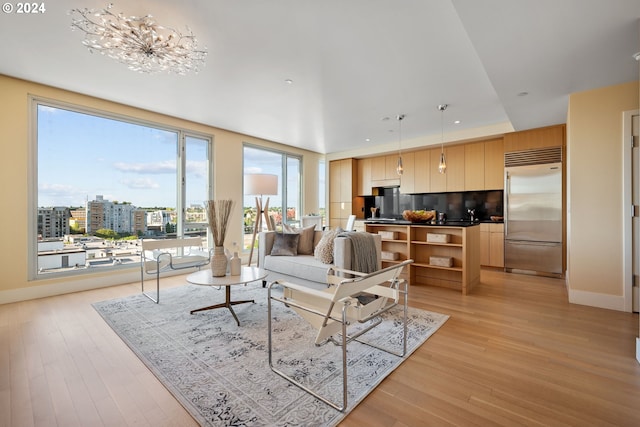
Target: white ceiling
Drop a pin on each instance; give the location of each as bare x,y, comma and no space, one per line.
352,62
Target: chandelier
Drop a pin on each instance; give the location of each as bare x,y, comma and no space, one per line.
138,42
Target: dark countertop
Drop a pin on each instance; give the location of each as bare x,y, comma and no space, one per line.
425,224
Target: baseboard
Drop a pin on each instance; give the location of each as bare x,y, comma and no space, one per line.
594,299
638,349
46,288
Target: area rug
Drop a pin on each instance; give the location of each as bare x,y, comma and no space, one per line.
219,371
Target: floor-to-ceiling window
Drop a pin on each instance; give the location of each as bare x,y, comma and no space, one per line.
284,207
322,192
103,181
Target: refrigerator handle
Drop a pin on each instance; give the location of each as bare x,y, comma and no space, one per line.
505,203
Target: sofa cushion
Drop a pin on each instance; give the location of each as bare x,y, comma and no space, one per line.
305,266
306,241
324,249
285,244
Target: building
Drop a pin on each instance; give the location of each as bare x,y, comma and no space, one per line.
53,222
119,217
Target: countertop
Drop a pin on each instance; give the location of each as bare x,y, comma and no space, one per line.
425,224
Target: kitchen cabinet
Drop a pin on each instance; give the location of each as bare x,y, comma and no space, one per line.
378,168
550,136
422,171
492,244
494,164
438,180
407,179
342,179
474,166
383,171
455,168
365,188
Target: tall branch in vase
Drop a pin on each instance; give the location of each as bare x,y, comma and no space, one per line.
218,213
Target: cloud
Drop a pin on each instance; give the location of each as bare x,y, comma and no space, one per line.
197,167
167,166
140,183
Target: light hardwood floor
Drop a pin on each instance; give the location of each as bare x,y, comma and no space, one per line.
514,352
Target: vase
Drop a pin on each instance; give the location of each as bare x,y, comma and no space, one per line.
235,265
218,262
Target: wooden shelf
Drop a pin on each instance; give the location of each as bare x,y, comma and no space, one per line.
419,242
437,267
463,247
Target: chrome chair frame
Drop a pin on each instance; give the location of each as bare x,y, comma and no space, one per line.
339,309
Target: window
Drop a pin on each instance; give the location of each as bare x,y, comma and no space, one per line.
286,206
104,181
322,195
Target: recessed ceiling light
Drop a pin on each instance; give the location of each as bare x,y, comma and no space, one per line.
288,81
457,122
523,94
367,139
384,119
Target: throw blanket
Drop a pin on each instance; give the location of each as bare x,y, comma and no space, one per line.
364,257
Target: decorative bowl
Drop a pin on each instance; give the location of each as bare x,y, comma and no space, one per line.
418,216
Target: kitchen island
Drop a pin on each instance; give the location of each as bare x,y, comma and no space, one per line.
444,254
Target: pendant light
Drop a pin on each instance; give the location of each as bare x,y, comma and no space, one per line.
442,166
400,167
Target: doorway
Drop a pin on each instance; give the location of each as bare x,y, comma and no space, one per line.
631,223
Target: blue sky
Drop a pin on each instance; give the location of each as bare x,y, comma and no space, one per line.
81,156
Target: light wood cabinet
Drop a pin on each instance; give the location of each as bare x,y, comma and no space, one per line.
342,180
492,244
550,136
390,166
438,180
364,177
494,164
474,166
378,168
383,171
407,179
455,168
422,171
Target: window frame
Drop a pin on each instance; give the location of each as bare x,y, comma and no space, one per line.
32,176
285,156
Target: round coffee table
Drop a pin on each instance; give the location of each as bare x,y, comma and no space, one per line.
247,275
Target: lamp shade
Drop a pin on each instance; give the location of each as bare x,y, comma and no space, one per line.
259,184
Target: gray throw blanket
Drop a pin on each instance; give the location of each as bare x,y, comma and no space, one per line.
364,257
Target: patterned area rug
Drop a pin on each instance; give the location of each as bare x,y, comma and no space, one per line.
220,371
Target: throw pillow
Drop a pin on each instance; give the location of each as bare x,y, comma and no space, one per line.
285,244
324,249
305,243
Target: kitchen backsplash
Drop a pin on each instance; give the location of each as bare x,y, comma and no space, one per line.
391,203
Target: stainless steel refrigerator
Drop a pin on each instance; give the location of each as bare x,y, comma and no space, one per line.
533,218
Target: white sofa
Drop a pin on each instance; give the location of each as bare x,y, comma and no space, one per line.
306,269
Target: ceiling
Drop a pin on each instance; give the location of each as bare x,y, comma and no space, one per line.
352,64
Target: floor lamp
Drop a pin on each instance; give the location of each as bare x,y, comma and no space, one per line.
259,184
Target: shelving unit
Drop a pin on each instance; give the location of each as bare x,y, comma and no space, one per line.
411,243
400,245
